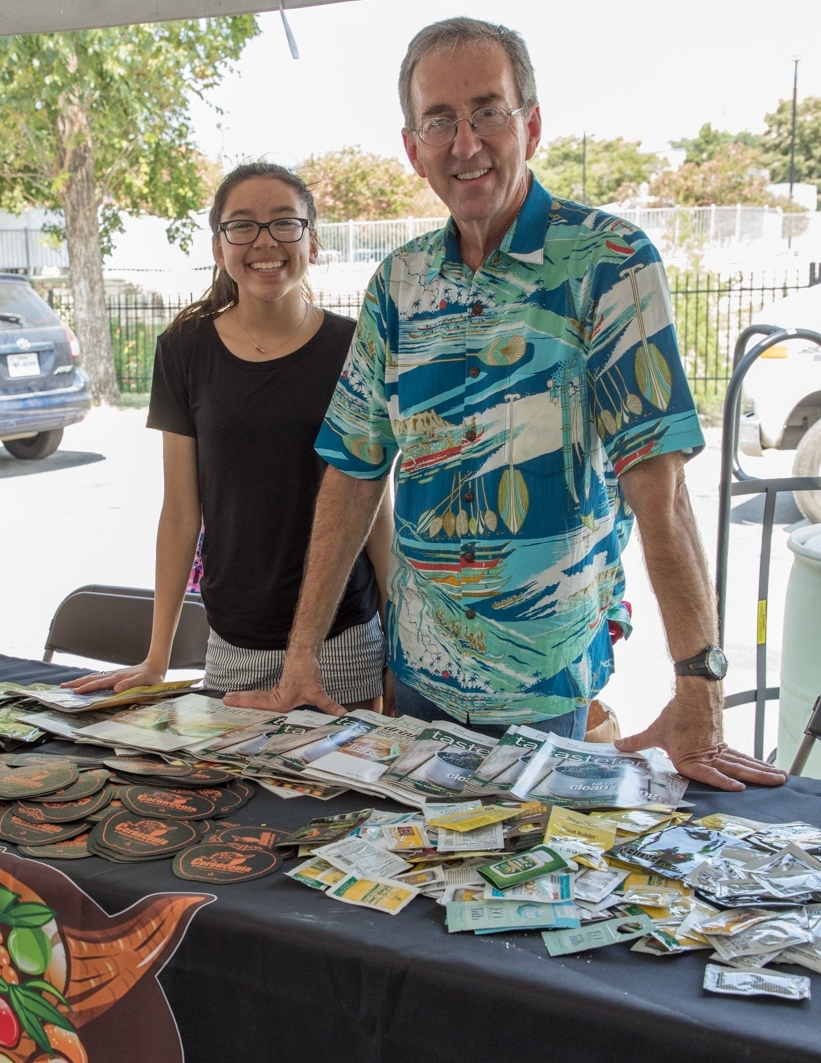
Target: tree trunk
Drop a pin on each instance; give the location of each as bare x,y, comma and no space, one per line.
79,197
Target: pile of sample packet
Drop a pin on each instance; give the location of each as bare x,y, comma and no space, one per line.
583,843
748,893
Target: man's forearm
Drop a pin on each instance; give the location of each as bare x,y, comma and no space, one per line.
345,509
656,492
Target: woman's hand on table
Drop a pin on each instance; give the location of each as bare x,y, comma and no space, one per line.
118,679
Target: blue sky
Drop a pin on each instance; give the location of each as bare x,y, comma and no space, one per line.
648,70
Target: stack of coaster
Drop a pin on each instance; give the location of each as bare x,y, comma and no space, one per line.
132,809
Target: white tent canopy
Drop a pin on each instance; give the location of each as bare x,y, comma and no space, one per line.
57,16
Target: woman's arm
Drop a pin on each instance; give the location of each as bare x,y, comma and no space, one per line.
177,534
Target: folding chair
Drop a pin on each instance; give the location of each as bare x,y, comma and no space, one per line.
735,481
113,624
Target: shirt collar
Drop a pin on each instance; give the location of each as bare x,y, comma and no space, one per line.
523,241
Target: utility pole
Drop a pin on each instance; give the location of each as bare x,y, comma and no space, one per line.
792,135
792,141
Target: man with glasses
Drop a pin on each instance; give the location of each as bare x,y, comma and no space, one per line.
520,365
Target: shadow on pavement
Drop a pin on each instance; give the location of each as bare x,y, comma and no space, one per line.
752,511
60,459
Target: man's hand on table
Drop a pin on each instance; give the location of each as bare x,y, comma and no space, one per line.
689,730
118,679
300,685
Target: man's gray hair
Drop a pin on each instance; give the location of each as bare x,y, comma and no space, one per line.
453,32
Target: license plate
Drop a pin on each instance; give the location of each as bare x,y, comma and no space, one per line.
27,364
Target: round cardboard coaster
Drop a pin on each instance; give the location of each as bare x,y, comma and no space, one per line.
87,783
64,811
199,777
147,766
75,848
14,828
251,837
224,863
36,779
167,804
25,760
243,786
226,799
130,836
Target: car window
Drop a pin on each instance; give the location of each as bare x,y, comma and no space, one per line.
26,304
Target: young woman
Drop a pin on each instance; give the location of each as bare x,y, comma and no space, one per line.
242,379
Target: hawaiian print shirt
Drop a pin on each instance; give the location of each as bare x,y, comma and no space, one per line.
514,396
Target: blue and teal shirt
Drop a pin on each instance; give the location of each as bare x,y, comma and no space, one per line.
508,401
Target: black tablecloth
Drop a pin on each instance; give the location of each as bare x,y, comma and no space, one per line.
272,970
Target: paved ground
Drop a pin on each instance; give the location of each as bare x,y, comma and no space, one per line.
88,514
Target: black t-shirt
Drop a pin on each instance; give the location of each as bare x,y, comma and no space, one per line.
255,424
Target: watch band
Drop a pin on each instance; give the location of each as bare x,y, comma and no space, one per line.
710,663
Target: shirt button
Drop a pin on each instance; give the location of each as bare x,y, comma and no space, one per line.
474,371
469,556
470,435
470,614
477,310
468,497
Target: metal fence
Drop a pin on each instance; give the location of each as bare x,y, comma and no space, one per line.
709,310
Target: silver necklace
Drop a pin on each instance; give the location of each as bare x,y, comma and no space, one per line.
267,350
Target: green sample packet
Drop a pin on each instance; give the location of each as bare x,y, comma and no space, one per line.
522,867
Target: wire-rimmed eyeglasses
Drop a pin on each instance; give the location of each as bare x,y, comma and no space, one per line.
283,230
486,122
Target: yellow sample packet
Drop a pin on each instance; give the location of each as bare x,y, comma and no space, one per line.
474,818
567,823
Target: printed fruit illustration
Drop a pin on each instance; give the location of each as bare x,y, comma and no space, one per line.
9,1026
55,979
30,949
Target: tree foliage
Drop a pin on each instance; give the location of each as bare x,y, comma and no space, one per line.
96,124
592,170
710,143
351,184
732,176
776,141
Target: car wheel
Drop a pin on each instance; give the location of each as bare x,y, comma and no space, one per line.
808,463
39,446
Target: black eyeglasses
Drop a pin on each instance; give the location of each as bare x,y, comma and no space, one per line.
283,230
486,122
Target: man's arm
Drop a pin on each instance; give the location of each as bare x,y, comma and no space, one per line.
345,509
689,728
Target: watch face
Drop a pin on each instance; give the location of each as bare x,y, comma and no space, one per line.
716,662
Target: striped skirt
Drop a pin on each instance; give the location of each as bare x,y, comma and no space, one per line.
351,664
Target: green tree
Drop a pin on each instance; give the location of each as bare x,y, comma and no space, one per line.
353,184
96,124
710,143
594,170
776,140
732,176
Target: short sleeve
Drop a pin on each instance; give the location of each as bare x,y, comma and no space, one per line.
169,408
643,405
357,437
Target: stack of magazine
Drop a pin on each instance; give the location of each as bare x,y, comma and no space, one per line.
586,844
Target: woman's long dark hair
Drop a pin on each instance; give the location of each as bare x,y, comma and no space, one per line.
223,292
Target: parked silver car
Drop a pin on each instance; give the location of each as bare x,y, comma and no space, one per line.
783,389
42,388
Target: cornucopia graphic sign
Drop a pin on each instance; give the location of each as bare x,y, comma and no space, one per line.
78,985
